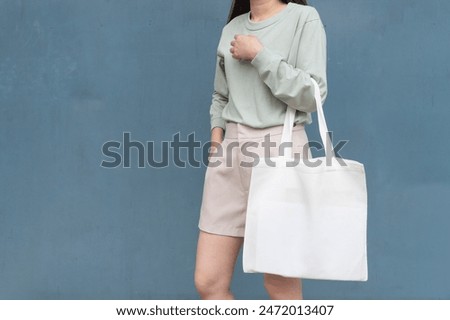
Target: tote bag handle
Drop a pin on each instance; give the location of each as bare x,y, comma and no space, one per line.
323,129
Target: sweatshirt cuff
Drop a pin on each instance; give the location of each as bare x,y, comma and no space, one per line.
264,58
217,122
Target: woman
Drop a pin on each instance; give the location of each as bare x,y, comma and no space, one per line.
253,85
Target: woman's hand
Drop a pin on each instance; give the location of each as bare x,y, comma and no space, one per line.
245,47
217,135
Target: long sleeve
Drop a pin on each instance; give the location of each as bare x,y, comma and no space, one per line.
292,84
219,96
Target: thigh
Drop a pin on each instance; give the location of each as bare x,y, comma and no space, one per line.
216,256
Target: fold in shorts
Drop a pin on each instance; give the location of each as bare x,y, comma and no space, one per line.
227,176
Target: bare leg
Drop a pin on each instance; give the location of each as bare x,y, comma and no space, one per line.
282,288
214,266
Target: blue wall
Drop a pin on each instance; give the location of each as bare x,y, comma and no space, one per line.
75,74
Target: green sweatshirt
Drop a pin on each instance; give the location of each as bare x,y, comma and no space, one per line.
256,92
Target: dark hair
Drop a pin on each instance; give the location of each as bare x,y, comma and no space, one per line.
239,7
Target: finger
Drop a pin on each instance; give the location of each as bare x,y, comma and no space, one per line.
236,36
233,43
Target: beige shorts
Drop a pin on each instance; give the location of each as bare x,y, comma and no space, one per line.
226,185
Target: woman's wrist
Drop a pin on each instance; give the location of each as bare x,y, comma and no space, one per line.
258,48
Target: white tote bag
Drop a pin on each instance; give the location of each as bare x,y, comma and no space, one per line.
307,220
